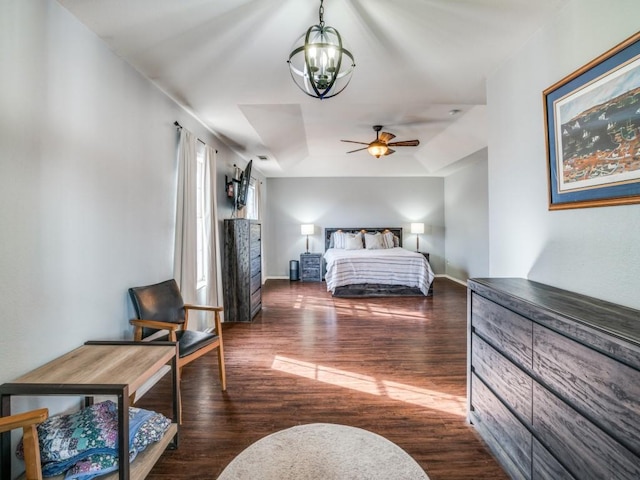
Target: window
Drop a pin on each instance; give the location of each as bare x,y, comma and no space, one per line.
252,201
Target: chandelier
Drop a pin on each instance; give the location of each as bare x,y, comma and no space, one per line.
319,63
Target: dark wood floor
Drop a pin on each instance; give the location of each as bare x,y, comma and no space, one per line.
394,366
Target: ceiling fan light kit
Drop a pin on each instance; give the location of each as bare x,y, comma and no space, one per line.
380,146
377,148
320,65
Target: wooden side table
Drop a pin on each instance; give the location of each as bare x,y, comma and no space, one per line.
101,368
311,267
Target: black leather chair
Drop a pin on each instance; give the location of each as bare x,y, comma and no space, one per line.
160,307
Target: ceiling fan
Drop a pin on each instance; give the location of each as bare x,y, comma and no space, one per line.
380,146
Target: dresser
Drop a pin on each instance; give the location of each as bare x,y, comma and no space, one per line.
311,267
241,272
554,380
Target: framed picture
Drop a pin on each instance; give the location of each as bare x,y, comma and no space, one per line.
593,131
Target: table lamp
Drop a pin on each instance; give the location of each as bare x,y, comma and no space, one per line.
307,229
417,229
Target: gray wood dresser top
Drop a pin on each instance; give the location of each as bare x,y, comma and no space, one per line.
551,307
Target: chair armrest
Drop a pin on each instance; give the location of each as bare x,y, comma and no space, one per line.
28,422
139,324
22,420
158,325
207,308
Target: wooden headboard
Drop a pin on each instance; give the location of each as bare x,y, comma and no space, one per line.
397,231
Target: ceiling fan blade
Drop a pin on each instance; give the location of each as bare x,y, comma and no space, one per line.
353,141
389,151
405,143
364,148
386,136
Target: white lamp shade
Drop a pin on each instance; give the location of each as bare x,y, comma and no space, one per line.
417,228
307,229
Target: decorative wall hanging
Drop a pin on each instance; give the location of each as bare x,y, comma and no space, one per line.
593,131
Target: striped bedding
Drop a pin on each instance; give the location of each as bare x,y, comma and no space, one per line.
391,266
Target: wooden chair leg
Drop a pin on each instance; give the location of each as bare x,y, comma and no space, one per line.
221,369
180,395
32,453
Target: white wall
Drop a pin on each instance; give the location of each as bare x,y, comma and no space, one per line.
87,185
593,251
351,202
466,206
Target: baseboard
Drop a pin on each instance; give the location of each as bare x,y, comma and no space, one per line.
440,275
448,277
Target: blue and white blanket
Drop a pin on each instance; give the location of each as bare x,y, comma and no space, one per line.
84,445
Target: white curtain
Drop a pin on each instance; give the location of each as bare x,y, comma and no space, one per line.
213,289
185,252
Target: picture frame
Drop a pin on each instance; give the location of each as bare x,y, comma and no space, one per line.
592,131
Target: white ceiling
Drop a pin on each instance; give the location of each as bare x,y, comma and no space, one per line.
416,60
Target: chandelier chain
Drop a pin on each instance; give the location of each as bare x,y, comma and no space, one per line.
321,13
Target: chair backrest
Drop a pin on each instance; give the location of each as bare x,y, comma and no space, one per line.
161,301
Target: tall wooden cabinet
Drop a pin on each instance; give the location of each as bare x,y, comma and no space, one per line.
241,273
554,380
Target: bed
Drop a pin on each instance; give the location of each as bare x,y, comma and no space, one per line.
376,259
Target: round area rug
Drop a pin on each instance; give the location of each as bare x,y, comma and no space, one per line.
323,451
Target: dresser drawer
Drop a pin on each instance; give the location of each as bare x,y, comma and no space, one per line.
512,385
505,330
594,384
256,265
310,261
255,231
309,272
255,249
256,302
588,452
256,282
507,438
546,466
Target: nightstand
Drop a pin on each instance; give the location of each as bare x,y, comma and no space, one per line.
426,255
311,267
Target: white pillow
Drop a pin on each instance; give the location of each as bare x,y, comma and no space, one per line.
338,239
387,240
353,241
373,241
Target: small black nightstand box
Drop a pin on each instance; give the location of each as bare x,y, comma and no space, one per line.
311,267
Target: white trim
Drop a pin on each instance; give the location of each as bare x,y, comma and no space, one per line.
461,282
440,275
